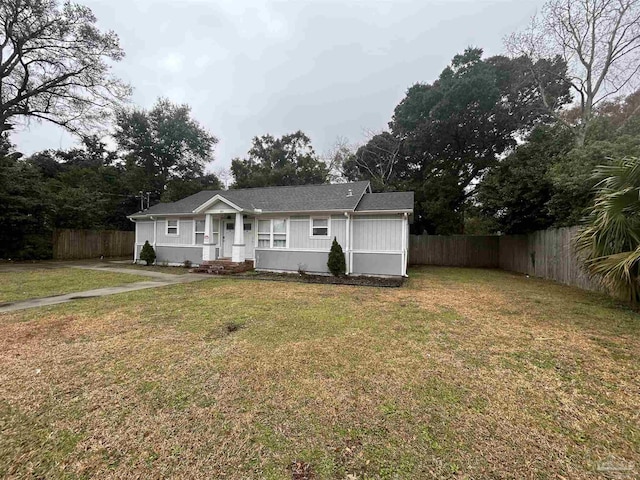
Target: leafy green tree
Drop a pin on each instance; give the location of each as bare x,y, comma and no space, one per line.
572,177
455,129
55,65
610,243
336,263
271,161
25,207
87,187
161,145
516,192
547,180
179,188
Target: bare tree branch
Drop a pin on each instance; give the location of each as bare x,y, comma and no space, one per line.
55,66
599,40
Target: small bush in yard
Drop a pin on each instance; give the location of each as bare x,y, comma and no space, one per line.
187,264
336,262
147,253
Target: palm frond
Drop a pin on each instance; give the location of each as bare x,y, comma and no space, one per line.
609,243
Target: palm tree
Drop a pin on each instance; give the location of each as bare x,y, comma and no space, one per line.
609,245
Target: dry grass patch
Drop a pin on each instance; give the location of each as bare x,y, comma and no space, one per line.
463,373
152,268
21,285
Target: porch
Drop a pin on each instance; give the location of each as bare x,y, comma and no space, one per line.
228,236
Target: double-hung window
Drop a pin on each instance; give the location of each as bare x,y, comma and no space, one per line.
272,233
319,227
172,227
264,233
199,231
279,233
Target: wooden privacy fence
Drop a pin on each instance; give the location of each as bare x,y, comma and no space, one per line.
454,251
77,244
547,254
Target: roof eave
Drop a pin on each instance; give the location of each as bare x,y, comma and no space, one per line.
394,210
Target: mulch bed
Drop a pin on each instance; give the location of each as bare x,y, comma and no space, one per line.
325,279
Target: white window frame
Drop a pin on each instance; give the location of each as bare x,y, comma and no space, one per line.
285,233
177,227
196,232
320,237
259,232
271,233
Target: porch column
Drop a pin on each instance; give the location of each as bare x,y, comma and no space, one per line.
237,249
208,249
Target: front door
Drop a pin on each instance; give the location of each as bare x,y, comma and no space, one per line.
249,238
227,237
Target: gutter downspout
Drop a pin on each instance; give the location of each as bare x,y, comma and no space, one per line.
405,238
135,241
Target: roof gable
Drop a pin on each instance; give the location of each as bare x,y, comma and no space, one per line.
217,202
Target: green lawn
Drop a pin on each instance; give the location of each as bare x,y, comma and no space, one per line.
460,374
16,286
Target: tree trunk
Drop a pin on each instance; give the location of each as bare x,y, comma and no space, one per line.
581,135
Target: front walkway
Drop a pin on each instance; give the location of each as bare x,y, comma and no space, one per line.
157,279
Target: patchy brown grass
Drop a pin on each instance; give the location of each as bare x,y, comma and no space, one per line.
460,374
152,268
45,282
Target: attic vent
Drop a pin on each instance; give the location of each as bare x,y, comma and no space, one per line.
350,193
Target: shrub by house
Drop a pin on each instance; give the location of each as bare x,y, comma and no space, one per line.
336,263
147,253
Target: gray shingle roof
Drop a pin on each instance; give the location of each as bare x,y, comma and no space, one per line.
386,201
273,199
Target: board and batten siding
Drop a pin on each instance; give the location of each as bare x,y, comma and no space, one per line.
300,234
144,232
185,232
377,233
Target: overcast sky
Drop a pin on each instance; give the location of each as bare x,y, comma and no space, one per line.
329,68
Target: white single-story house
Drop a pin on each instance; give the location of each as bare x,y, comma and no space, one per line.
283,229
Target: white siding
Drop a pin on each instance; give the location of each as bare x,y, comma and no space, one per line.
184,237
377,233
301,238
144,232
